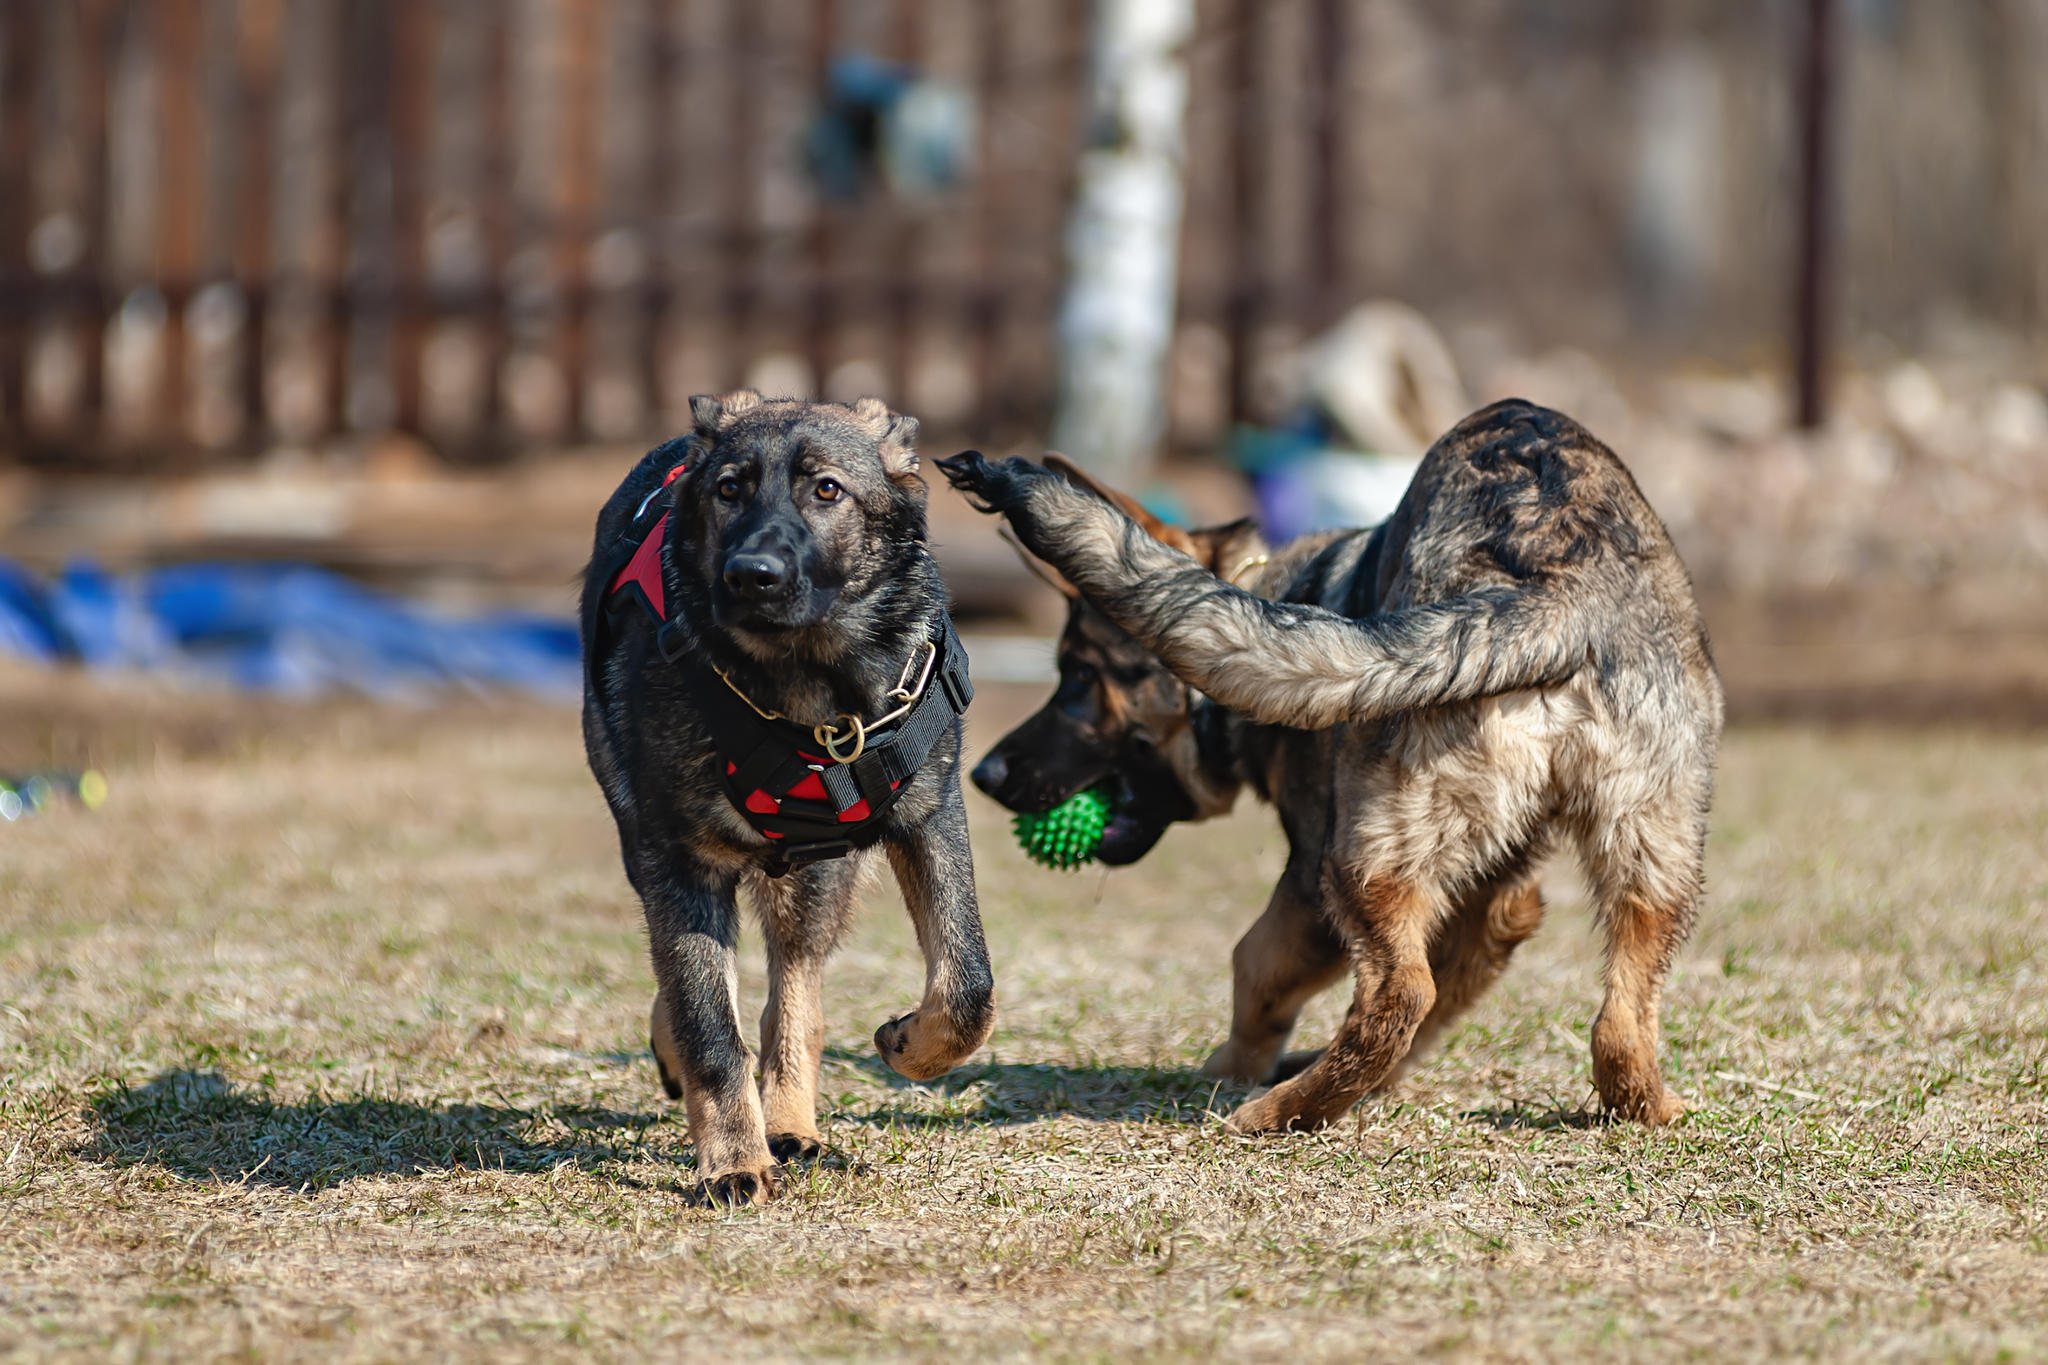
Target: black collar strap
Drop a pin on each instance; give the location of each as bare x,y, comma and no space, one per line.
809,804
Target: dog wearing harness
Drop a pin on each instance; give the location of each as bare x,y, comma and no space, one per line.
820,805
772,703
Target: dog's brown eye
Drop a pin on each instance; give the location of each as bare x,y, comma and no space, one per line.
728,488
829,490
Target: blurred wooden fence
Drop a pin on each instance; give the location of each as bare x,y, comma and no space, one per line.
227,224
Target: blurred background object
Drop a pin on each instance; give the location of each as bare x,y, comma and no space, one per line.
399,289
23,795
1123,240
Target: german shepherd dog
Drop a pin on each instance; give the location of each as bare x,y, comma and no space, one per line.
1514,657
793,586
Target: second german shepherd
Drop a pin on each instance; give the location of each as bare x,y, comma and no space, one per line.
1512,658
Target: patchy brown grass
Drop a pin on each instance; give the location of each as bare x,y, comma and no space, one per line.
324,1040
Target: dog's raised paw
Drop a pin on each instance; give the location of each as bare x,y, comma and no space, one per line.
915,1047
993,485
968,471
792,1147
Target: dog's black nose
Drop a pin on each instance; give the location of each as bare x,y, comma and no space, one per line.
990,772
755,575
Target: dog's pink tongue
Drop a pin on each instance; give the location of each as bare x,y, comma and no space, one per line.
1118,826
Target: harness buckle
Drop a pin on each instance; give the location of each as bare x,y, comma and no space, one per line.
830,736
669,641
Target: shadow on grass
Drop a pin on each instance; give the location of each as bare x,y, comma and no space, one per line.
1004,1093
1521,1115
202,1128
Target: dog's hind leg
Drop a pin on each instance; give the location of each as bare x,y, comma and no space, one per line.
1471,950
1645,874
802,917
935,868
1281,963
1389,922
1642,932
1468,955
693,931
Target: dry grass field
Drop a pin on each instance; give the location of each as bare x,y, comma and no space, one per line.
324,1040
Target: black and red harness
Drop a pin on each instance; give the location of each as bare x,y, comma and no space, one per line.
813,805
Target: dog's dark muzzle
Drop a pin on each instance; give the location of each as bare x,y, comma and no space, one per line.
1052,756
757,577
1041,763
764,584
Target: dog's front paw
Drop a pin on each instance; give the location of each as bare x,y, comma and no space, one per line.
735,1189
921,1046
993,485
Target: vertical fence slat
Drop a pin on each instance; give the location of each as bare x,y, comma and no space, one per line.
180,32
410,114
904,293
132,343
179,191
706,194
456,361
819,307
579,182
615,375
533,386
369,393
211,391
300,366
988,293
1244,305
61,370
259,57
18,37
1327,284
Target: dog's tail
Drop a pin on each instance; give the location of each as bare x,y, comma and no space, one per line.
1302,666
1308,668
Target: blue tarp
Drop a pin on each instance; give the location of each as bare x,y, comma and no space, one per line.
282,628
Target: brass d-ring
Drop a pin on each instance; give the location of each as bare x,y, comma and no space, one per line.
830,735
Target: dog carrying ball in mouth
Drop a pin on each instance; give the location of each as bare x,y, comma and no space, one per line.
1511,662
772,693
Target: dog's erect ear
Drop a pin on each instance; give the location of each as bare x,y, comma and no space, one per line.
712,413
895,436
1229,550
1130,506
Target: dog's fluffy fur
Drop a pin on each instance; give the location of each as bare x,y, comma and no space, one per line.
796,563
1515,656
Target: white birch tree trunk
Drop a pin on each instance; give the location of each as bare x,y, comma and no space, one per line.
1123,241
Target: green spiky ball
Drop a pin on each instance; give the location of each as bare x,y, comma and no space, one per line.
1068,835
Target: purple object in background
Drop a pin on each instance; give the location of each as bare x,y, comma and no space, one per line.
1325,489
